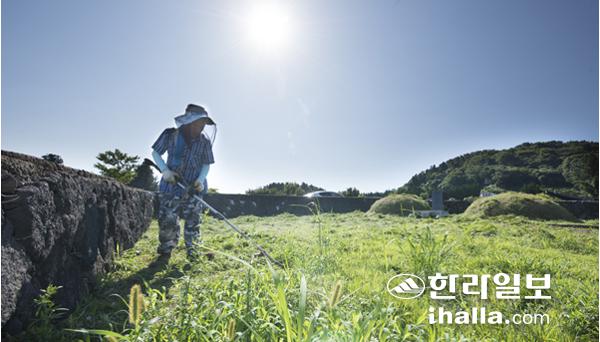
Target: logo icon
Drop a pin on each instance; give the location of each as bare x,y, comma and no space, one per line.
405,286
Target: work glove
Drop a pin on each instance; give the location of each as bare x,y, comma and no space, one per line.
170,176
198,186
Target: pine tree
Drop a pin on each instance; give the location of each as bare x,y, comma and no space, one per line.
117,165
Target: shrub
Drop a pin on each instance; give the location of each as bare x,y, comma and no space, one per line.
144,178
457,184
399,204
514,179
581,170
508,157
51,157
520,204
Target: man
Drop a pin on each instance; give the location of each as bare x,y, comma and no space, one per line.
189,158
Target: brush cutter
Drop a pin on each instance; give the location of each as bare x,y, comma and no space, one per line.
182,185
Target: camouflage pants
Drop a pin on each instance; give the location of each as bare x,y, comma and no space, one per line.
171,209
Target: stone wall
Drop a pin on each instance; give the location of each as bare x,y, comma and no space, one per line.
265,205
60,226
581,209
456,206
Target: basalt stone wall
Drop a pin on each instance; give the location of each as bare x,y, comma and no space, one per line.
456,206
581,209
233,205
266,205
60,226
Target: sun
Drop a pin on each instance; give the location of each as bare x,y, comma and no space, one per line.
268,27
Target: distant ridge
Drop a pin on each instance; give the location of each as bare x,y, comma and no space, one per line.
568,169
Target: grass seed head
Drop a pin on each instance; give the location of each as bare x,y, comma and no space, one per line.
336,294
136,304
231,329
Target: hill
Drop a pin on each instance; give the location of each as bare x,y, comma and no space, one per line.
564,169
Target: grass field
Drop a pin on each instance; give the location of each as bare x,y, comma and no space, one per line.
334,284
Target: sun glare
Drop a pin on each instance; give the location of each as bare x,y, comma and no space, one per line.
268,28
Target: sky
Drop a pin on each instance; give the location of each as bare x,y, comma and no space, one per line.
338,94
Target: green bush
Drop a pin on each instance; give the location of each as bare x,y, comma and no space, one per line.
399,204
582,171
513,203
515,180
460,185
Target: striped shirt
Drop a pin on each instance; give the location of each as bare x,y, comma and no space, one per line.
196,154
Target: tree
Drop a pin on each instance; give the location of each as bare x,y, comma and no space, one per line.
459,185
144,179
55,158
508,157
117,165
351,192
287,188
515,180
581,170
569,168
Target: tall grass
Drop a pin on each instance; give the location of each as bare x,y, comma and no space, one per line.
333,288
427,252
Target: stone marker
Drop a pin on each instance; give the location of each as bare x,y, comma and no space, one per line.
437,206
437,202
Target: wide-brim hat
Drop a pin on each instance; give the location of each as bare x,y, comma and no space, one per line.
193,113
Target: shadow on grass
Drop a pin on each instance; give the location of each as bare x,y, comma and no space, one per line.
104,310
147,275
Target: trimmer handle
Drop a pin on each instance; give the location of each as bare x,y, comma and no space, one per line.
151,163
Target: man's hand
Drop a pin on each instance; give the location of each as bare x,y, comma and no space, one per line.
198,186
170,176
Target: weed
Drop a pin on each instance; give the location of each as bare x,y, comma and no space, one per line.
46,315
333,288
427,252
